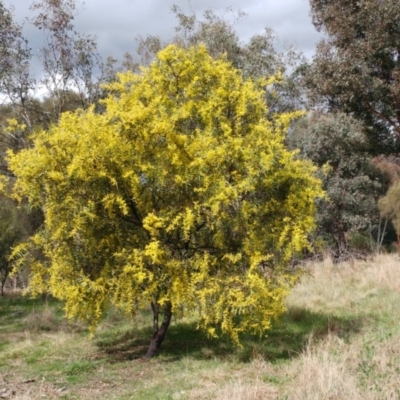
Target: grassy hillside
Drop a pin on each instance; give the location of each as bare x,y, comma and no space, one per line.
340,339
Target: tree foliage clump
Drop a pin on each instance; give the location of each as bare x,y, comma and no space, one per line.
356,68
9,236
338,145
181,194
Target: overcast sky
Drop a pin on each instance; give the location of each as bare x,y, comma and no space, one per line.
117,22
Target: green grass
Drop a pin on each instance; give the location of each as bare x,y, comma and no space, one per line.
339,339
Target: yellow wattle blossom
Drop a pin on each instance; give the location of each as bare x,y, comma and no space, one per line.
180,192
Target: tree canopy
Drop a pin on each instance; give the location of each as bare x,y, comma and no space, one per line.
181,194
337,144
356,69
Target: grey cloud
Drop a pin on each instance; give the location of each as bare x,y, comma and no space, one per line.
117,22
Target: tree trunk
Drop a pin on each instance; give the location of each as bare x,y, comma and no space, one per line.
158,332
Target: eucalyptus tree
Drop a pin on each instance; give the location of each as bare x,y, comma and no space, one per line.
356,68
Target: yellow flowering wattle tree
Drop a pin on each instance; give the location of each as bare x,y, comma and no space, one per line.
181,194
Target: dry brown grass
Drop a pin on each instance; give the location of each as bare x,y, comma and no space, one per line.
228,381
325,371
384,271
46,320
334,287
336,370
363,366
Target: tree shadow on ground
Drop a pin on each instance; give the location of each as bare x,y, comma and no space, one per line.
286,340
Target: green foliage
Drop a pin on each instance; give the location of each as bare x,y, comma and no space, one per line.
338,145
356,68
181,192
9,235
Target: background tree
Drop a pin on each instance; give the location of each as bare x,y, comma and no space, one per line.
356,69
181,194
15,79
70,60
338,145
